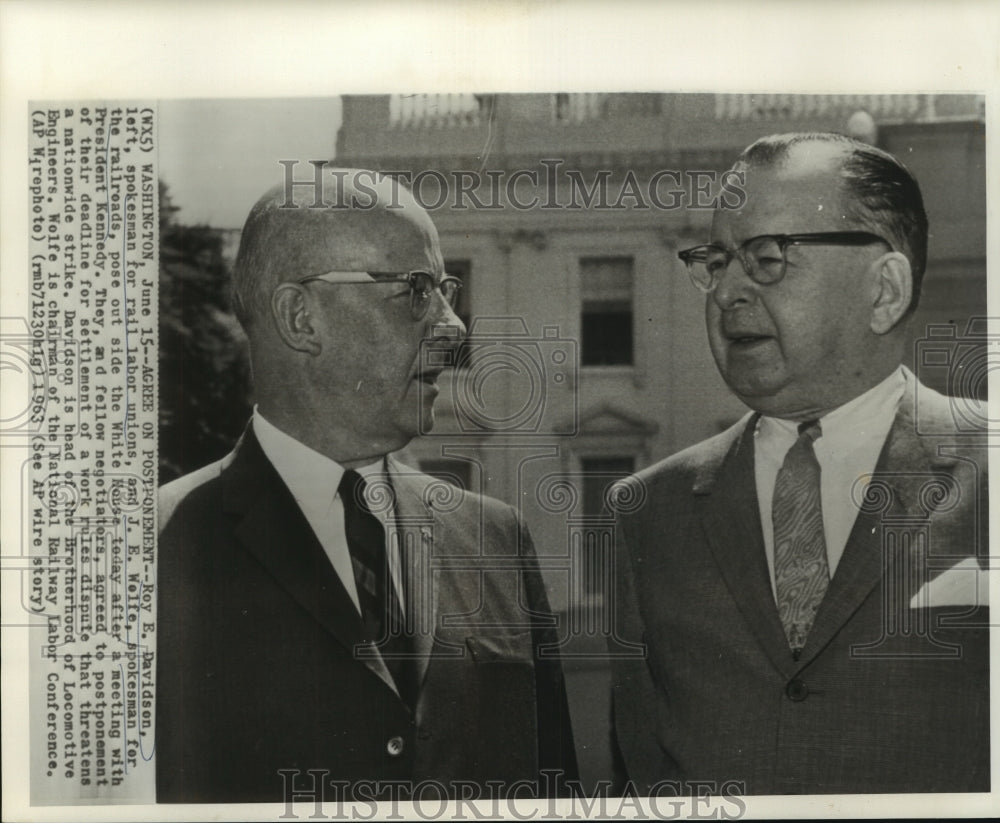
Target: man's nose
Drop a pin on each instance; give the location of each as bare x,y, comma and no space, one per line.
734,285
445,324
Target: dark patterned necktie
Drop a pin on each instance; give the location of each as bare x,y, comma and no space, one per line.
380,606
801,569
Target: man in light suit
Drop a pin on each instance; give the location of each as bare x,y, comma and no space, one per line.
808,584
331,623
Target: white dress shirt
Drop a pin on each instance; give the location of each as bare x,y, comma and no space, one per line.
313,480
848,449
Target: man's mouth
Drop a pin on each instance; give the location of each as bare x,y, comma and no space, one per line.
747,338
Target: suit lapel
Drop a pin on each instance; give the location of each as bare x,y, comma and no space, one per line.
416,528
726,493
274,530
425,533
898,490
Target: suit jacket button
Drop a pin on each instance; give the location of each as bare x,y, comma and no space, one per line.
395,746
797,690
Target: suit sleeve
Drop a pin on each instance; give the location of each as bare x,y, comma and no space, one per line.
556,748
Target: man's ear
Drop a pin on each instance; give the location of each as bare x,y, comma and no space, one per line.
892,291
292,320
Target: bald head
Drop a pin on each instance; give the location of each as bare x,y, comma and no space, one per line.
287,237
337,362
878,191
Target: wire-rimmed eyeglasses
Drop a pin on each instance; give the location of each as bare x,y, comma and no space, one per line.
422,285
763,257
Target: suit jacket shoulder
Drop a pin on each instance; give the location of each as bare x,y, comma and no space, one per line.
461,510
432,489
197,483
696,465
936,413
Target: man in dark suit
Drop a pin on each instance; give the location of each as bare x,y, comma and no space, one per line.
809,584
331,623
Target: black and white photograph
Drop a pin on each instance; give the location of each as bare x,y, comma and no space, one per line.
490,437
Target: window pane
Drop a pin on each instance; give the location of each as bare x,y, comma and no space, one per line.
606,311
607,337
598,474
456,472
606,278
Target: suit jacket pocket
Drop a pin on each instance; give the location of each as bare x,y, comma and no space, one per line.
506,704
510,648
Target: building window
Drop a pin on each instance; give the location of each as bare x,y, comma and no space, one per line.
606,311
599,474
562,106
462,269
577,107
456,472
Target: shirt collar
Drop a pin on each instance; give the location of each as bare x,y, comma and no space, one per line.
311,477
851,424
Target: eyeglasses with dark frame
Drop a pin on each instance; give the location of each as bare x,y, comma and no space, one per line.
422,285
763,257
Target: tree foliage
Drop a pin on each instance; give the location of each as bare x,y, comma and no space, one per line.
204,367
